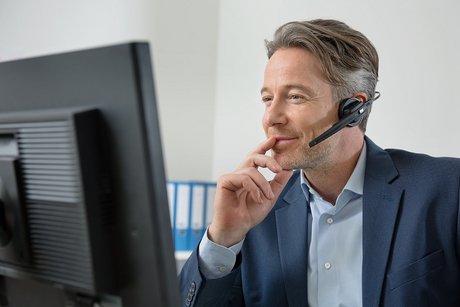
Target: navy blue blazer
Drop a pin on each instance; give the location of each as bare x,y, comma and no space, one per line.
411,245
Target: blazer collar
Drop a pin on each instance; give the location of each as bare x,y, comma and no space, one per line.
292,227
381,200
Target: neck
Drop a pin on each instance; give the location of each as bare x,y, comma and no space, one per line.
330,180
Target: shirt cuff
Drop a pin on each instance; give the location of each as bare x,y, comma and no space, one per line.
215,260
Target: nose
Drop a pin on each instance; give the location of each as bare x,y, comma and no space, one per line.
275,114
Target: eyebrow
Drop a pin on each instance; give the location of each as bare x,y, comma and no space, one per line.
302,87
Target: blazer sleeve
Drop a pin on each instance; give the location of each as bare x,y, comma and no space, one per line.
198,291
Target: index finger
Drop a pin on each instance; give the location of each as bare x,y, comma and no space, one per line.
265,145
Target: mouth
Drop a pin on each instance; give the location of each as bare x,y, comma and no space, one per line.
283,142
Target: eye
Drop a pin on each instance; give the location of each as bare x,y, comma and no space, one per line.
295,98
267,100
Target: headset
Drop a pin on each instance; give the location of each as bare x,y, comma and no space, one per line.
351,113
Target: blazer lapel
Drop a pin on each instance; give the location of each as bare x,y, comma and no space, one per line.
380,209
291,225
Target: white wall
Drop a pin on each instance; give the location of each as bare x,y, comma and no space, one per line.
183,36
418,43
186,50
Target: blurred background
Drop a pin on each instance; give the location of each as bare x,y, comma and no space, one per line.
209,57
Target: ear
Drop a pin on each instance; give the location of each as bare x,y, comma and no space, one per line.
361,96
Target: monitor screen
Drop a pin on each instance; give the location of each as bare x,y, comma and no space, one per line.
84,218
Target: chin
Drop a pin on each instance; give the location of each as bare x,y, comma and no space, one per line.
287,162
314,159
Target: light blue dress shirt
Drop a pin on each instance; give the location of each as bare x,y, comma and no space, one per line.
336,243
335,240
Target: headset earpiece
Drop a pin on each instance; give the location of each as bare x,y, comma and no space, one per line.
351,113
349,106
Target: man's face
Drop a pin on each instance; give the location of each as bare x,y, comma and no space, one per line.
298,107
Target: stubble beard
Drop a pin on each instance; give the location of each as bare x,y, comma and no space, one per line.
308,159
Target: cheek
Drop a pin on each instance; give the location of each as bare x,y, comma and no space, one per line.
303,122
264,125
330,115
322,121
265,122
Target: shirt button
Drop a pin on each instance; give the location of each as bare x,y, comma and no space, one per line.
330,220
327,265
222,269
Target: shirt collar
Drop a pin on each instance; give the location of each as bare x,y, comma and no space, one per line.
356,181
354,184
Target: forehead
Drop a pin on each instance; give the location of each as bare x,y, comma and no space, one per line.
296,65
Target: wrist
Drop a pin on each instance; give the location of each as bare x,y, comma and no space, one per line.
224,237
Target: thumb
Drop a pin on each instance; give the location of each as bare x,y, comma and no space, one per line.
280,180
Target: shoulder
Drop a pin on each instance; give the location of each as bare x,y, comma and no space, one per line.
411,169
406,161
421,171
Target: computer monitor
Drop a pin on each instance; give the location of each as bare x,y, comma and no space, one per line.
84,218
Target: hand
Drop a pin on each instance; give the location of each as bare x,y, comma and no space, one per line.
244,197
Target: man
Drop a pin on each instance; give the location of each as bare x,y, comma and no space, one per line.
353,225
